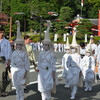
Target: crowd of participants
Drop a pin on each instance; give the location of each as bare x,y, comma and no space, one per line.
71,64
37,46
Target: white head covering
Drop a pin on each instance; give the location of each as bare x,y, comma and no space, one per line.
47,38
89,48
19,39
74,42
67,43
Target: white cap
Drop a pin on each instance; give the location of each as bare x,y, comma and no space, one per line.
74,42
19,39
67,43
47,38
89,48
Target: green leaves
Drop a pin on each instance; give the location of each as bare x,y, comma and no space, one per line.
83,28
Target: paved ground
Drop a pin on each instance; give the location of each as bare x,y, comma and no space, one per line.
62,93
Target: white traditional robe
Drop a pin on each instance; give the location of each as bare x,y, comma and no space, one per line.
74,69
46,66
86,65
98,58
94,48
59,47
82,51
19,65
64,64
82,54
55,47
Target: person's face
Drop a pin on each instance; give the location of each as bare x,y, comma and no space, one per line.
73,50
92,41
27,41
46,47
19,46
88,54
1,34
67,51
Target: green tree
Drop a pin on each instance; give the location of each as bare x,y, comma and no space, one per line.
83,28
94,8
66,14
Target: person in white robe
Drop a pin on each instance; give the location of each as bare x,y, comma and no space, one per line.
41,46
65,61
74,71
88,70
59,47
98,63
73,64
82,52
46,67
38,46
19,65
94,47
55,47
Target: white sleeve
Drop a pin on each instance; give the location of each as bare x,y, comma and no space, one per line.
69,61
53,61
98,56
93,63
63,60
39,61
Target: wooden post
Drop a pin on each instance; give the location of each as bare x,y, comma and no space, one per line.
10,28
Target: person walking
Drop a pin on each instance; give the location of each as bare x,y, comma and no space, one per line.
5,58
74,71
31,56
46,67
19,65
65,60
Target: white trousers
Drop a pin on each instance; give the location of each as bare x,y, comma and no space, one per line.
88,85
46,95
66,81
73,90
20,92
99,71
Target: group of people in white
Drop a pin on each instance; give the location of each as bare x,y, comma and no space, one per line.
58,47
78,65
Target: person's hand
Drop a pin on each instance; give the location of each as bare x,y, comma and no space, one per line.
25,75
61,67
8,63
54,79
36,69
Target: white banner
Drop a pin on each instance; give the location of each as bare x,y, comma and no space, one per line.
64,37
85,37
55,37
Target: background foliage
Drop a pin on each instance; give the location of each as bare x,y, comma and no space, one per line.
66,10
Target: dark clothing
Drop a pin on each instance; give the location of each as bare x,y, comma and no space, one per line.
4,79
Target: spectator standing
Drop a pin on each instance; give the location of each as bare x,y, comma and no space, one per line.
5,58
31,55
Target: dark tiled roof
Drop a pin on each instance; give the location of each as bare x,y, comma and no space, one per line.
94,21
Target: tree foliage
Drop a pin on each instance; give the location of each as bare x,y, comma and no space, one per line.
83,28
66,9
